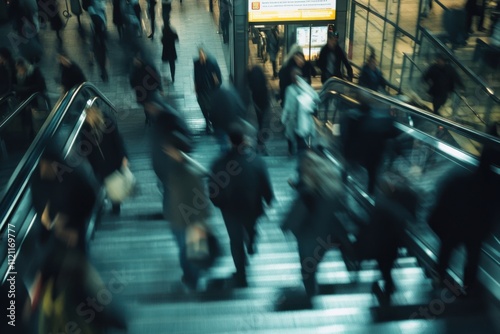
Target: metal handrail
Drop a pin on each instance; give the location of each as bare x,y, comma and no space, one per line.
368,203
19,182
444,49
24,174
478,136
23,105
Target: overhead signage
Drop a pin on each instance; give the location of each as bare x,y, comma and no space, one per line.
291,10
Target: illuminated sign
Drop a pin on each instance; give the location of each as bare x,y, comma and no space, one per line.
290,10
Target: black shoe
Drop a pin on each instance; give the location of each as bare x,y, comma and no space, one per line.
239,280
151,36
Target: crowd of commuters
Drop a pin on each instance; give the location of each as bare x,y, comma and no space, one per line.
65,199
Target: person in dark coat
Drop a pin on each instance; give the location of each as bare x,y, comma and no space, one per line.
475,8
227,109
273,48
371,77
169,53
151,11
240,197
7,71
98,16
69,200
207,77
118,17
257,83
312,217
50,11
395,206
29,80
465,212
365,135
331,58
71,74
443,80
107,153
145,80
224,19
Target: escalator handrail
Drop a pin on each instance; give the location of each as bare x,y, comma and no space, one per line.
444,49
23,172
23,105
473,134
368,203
5,96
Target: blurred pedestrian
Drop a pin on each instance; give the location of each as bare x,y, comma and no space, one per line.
224,19
371,77
69,199
294,59
169,53
241,198
273,47
50,11
97,13
145,80
65,282
151,11
29,80
395,206
207,78
301,102
312,216
166,8
7,71
118,17
331,58
443,79
475,8
107,154
261,101
465,212
71,74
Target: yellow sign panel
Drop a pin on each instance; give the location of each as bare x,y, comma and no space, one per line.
291,10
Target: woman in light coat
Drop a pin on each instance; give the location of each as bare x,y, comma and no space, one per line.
300,104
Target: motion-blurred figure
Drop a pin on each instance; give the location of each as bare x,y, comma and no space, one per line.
97,12
365,137
294,60
71,74
261,101
395,206
29,80
273,48
227,109
152,18
465,212
67,292
443,80
371,77
7,71
207,78
108,153
312,215
169,53
301,101
65,197
331,58
240,195
145,80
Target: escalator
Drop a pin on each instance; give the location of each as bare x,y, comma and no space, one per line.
138,249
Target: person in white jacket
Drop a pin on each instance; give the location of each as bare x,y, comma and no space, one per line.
300,104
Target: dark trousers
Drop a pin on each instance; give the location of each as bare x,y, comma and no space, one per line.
151,8
239,226
191,274
473,249
165,12
262,120
204,102
311,253
171,64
